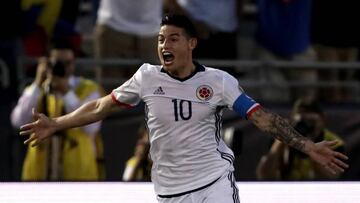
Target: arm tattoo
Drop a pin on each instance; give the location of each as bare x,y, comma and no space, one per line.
280,129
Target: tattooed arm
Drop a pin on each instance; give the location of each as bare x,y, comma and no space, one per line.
281,129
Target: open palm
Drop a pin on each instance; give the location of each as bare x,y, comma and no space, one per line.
42,128
331,160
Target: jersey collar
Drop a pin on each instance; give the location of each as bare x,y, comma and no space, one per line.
198,68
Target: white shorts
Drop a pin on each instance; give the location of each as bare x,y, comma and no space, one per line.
223,190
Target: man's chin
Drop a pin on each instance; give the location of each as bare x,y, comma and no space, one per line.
168,65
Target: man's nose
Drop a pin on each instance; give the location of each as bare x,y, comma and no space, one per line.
166,43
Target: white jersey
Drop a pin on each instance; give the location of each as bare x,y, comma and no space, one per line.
140,17
184,122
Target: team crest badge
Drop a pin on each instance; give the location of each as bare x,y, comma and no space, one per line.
204,92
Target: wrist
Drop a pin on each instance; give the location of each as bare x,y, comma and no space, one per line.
309,147
56,124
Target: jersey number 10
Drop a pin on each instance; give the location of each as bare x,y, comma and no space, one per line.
180,111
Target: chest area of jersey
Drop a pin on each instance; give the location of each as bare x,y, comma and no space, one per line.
181,103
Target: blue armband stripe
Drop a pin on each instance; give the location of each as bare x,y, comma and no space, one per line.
242,104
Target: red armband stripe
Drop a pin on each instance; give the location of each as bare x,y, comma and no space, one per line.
252,110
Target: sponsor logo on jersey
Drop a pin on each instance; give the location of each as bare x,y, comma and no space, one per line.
204,92
159,90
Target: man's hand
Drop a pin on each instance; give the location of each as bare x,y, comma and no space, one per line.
42,128
41,71
281,129
331,160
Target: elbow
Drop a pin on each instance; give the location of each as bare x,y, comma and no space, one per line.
16,121
98,109
101,108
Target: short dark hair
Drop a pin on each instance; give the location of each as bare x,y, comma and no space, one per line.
180,21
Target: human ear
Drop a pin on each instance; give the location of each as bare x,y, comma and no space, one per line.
193,43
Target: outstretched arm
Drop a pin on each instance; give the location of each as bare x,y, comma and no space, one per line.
43,126
280,129
270,165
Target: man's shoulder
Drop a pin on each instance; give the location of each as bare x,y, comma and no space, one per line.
147,67
213,70
217,74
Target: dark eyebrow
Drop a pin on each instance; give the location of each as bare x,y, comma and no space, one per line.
171,35
175,34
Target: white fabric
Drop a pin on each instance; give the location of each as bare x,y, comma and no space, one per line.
219,14
21,114
139,17
223,190
187,153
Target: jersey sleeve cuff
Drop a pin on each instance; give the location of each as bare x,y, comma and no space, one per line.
116,101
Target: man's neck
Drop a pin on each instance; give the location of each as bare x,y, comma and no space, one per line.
183,72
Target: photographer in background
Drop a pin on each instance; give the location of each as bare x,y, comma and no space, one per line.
284,163
138,167
55,92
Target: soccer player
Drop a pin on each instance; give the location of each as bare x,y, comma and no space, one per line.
183,106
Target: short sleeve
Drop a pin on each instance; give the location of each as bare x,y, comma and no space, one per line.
236,99
231,89
129,93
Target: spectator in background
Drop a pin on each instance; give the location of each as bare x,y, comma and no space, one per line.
138,167
127,29
283,33
40,18
45,23
335,38
284,163
216,23
55,92
66,26
10,50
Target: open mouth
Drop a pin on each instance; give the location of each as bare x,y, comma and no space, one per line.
168,57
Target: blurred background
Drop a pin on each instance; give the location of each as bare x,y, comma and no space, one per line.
279,50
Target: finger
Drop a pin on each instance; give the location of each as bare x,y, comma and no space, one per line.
331,143
329,169
27,126
336,168
30,139
35,114
340,163
341,155
26,132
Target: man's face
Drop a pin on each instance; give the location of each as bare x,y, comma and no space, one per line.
63,59
62,67
174,48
